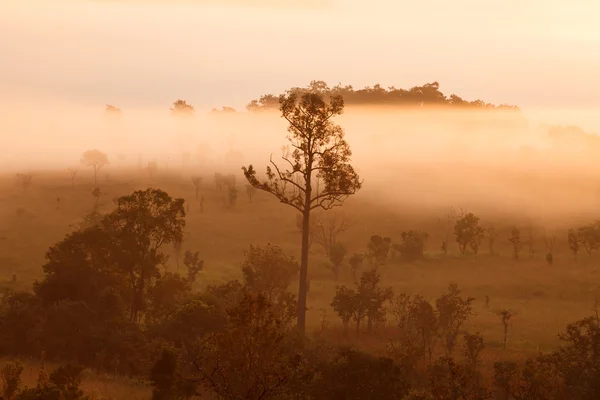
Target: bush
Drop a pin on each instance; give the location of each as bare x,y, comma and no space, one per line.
412,246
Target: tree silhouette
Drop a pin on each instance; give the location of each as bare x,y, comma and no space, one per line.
417,96
95,159
181,107
319,153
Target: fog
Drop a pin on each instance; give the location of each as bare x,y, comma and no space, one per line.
494,161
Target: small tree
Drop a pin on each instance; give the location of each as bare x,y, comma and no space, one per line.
337,252
366,301
11,378
549,243
320,153
378,249
73,172
250,192
232,194
453,311
589,237
530,242
468,233
515,239
449,221
269,271
96,193
345,304
95,159
505,316
327,231
197,182
573,240
412,246
492,234
355,262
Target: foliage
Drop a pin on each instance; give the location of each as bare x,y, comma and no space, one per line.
366,301
378,249
182,108
11,378
453,311
268,271
251,359
468,233
412,246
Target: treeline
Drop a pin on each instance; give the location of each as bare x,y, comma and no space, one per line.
426,95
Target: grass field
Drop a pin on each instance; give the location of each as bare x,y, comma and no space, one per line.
544,298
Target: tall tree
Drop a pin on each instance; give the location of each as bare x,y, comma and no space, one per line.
320,155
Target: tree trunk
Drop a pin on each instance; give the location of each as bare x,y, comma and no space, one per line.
303,269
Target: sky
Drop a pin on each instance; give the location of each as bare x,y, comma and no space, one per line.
148,53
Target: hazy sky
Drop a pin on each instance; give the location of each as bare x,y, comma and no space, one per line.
140,53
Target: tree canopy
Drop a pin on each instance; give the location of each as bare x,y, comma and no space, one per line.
425,95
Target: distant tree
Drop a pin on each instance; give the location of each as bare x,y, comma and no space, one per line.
328,229
515,239
250,191
449,222
366,301
224,109
589,237
573,240
492,234
320,152
182,108
24,181
378,249
468,233
355,262
505,316
412,246
549,243
337,253
112,110
73,172
232,194
197,181
530,242
96,193
95,159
